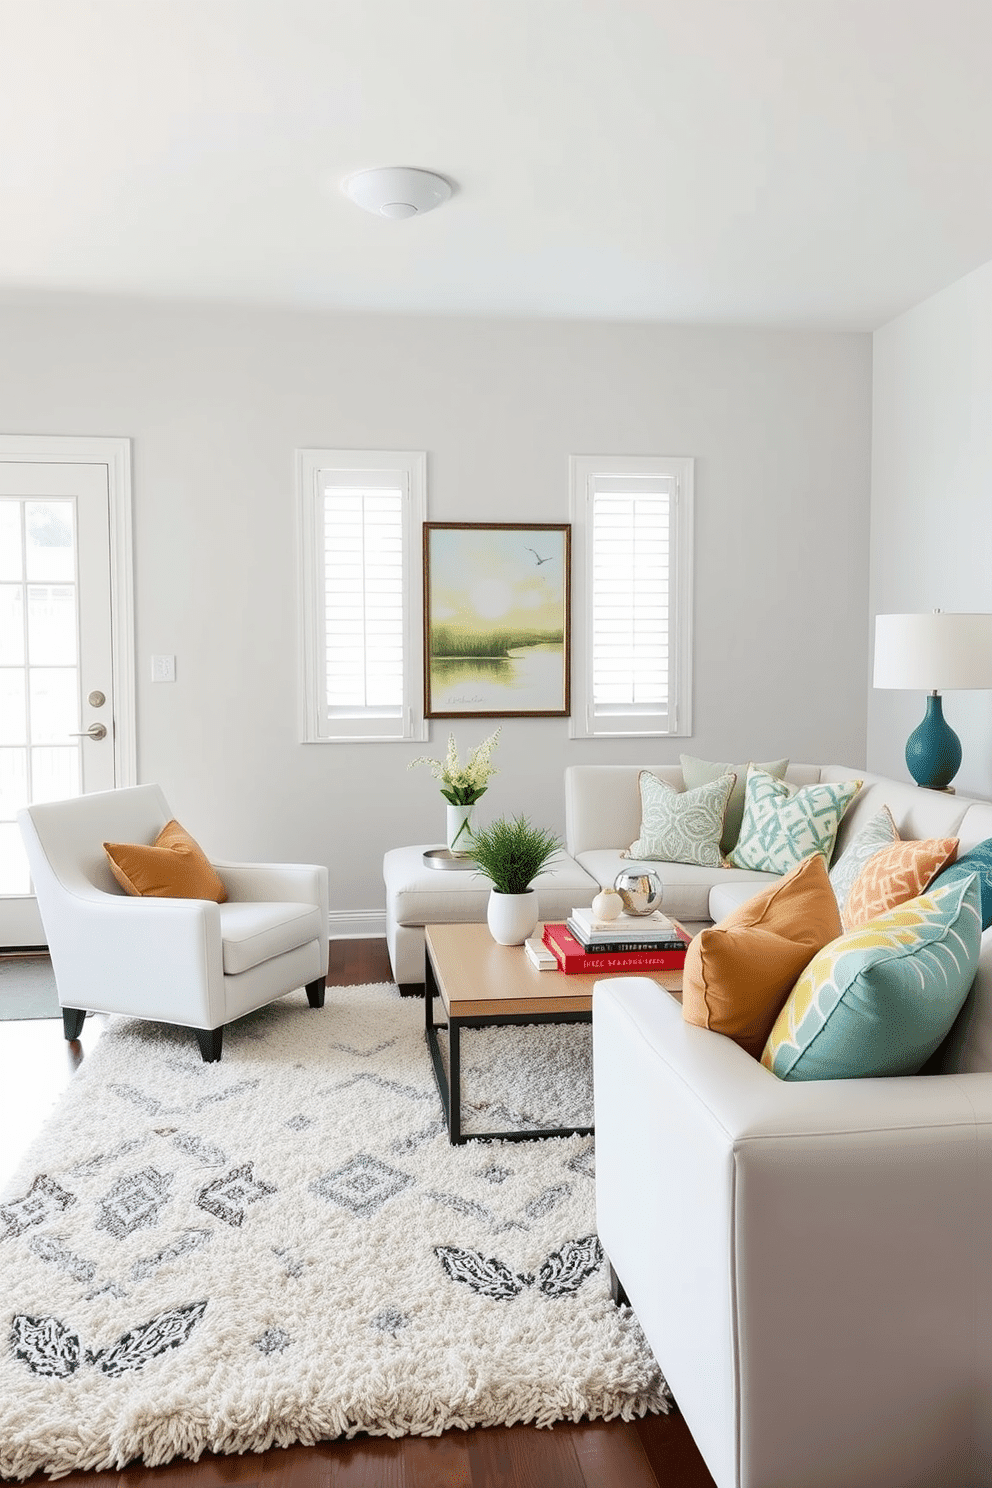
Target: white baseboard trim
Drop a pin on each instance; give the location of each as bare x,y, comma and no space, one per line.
356,924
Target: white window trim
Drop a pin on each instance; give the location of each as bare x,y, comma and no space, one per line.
411,466
582,471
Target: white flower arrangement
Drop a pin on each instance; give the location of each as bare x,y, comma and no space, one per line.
463,784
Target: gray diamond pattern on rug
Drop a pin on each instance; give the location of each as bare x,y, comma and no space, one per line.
134,1202
301,1254
362,1185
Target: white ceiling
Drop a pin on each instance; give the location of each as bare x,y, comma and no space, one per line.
820,163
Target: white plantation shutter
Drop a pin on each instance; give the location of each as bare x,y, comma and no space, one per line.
630,594
363,600
632,534
361,515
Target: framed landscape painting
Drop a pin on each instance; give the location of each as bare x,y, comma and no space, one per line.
496,621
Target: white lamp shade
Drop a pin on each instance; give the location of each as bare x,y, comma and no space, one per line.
936,652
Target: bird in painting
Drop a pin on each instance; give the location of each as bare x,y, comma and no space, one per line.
537,559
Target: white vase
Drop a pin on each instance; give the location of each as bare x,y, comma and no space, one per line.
607,905
459,833
512,917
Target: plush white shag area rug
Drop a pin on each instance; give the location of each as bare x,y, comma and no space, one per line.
284,1246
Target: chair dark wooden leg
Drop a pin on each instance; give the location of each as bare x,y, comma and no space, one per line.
72,1022
617,1292
210,1041
315,992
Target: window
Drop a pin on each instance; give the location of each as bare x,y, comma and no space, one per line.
632,546
360,518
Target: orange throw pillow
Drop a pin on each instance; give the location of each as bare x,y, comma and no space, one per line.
895,875
174,867
739,972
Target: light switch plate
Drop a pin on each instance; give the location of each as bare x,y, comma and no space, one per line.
163,669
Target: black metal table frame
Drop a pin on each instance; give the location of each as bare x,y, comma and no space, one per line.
449,1086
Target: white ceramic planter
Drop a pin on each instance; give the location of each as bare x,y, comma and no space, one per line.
459,830
512,917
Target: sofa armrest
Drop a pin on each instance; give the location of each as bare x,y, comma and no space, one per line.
603,804
755,1223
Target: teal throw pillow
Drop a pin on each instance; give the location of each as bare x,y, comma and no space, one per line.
784,824
881,999
681,826
874,835
977,860
697,772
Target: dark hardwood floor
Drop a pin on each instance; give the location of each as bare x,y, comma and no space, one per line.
656,1452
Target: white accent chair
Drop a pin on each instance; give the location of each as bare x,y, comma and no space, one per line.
184,961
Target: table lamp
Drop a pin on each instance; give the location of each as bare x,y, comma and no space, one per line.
933,653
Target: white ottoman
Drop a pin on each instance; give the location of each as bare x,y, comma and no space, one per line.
417,896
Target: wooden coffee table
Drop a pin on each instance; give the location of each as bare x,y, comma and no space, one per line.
483,985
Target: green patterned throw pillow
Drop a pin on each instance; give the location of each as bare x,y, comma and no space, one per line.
696,772
874,835
681,826
881,999
784,824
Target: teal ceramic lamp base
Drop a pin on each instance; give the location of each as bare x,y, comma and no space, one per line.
933,750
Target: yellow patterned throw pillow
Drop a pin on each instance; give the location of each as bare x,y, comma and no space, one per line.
881,999
896,873
174,866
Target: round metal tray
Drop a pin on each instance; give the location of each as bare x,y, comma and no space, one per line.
443,858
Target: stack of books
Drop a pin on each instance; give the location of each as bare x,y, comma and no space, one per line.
538,954
631,943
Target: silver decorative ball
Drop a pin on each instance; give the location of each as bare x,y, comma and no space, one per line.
640,889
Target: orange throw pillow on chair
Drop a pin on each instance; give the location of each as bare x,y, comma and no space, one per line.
174,867
739,972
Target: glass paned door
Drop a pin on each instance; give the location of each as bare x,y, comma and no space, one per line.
56,672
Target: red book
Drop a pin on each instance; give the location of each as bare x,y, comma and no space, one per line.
572,957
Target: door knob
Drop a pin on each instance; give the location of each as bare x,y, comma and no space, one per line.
95,731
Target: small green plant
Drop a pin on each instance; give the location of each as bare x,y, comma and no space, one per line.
512,852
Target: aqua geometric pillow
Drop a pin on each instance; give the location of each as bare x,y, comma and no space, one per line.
977,860
874,835
783,824
881,999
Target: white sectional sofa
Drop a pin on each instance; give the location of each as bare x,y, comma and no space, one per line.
809,1261
602,818
602,815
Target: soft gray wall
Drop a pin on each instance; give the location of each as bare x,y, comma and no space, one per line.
216,400
931,522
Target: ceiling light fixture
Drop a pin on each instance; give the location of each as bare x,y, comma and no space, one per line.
396,190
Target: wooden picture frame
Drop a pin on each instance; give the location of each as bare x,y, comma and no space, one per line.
497,636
